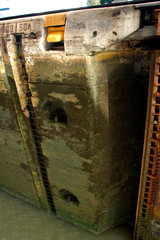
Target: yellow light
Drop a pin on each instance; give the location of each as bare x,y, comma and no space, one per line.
55,34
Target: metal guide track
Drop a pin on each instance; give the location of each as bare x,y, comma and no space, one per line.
149,186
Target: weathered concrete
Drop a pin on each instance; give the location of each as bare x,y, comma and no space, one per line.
94,154
15,173
87,111
95,30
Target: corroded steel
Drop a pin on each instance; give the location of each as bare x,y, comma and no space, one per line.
158,27
156,19
148,211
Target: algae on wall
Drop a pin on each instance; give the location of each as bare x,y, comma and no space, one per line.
95,153
15,173
82,119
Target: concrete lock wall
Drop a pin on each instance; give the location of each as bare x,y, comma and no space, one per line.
15,173
72,120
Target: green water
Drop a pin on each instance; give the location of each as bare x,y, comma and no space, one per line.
21,221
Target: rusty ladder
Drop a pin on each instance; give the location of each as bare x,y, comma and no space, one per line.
147,225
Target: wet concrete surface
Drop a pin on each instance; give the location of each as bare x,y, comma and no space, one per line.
21,221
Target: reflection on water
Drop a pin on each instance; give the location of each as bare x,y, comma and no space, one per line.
21,221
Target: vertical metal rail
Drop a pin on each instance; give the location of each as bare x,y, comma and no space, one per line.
147,225
150,173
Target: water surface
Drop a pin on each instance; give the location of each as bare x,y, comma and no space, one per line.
21,221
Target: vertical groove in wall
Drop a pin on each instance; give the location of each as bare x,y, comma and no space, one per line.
32,120
28,129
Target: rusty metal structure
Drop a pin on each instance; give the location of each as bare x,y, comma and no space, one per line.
148,203
73,96
148,208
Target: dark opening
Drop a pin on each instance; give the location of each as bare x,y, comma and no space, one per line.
148,184
55,112
144,206
94,33
154,136
156,118
151,159
68,197
155,128
144,210
153,144
58,116
57,46
157,99
32,35
157,109
19,46
143,215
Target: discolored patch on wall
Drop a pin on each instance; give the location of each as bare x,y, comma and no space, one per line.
25,167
